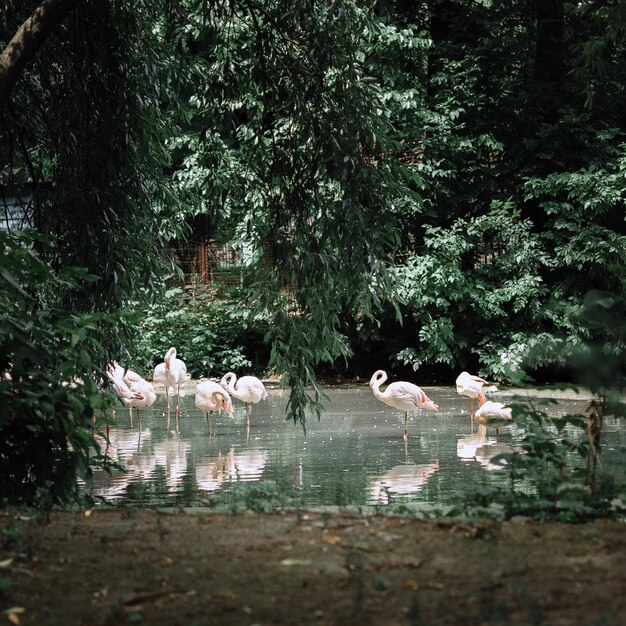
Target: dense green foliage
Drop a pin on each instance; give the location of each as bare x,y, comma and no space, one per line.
282,152
521,176
213,337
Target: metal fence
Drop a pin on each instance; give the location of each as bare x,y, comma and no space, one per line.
208,263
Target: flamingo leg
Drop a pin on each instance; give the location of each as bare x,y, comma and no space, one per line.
247,415
139,419
167,395
177,396
208,421
406,432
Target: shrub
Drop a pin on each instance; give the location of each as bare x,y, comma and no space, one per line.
48,391
211,336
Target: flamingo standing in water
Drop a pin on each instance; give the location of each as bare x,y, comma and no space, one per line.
212,397
139,394
249,389
493,413
472,387
171,373
401,395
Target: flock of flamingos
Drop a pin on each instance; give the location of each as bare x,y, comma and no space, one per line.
136,392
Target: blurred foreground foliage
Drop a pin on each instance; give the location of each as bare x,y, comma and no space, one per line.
48,367
557,472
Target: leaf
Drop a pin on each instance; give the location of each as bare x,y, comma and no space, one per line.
12,281
295,562
333,540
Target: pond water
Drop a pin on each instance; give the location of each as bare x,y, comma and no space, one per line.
353,456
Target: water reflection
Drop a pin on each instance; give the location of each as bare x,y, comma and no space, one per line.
354,455
467,445
402,480
485,454
171,455
212,474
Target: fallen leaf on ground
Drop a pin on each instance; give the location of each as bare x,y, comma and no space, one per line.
331,539
291,562
14,613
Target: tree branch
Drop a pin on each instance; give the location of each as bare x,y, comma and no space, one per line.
27,40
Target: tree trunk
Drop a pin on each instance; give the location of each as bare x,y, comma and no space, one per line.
27,40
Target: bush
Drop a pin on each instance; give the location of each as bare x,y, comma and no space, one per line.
211,336
48,391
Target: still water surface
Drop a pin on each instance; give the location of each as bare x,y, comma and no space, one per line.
353,456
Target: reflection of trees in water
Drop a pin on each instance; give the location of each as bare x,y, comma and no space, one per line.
212,474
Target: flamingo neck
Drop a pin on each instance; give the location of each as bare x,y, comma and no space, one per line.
378,379
230,382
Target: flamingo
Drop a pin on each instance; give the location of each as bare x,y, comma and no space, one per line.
401,395
139,394
171,373
212,397
128,376
493,413
249,390
473,387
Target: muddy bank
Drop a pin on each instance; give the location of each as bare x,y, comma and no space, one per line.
119,567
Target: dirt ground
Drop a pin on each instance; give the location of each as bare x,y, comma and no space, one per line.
185,568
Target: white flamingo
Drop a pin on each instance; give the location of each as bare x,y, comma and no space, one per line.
472,387
171,373
401,395
138,395
493,413
249,389
212,397
148,395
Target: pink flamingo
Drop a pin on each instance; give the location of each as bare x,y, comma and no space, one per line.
171,373
212,397
249,390
493,413
401,395
472,387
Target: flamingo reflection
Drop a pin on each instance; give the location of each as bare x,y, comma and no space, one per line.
247,465
172,455
401,480
485,454
467,445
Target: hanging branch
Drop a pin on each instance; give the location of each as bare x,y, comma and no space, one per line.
27,40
